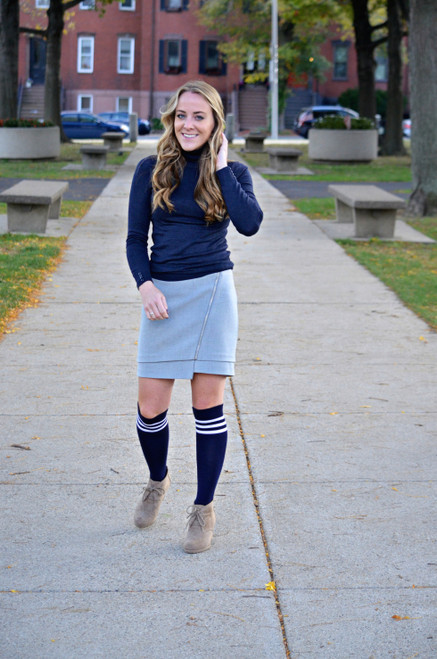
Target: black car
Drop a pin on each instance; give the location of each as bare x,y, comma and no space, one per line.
307,117
85,125
123,118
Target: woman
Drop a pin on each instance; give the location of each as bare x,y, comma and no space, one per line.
189,193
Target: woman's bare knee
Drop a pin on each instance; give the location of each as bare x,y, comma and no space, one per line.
207,390
154,396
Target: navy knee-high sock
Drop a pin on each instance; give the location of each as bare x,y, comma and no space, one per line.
154,435
211,439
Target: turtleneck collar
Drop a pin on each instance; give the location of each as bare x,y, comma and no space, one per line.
192,156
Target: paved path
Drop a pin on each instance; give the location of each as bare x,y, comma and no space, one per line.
329,482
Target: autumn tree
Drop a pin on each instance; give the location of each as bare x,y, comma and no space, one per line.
9,25
423,100
245,26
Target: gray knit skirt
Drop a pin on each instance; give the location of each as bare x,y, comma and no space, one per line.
200,335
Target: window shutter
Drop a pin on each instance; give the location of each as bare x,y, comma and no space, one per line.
163,5
184,45
161,56
186,4
224,68
202,56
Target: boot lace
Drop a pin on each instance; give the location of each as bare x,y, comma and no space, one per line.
195,517
149,490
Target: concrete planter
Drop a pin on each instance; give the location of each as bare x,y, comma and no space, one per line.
32,143
347,145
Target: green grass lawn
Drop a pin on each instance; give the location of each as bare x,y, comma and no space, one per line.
53,168
25,262
409,269
385,168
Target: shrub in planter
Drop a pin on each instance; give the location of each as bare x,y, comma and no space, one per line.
24,123
343,139
344,123
29,139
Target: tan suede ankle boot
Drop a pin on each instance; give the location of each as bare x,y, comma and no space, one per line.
148,507
200,527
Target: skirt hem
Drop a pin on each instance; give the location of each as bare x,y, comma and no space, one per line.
183,370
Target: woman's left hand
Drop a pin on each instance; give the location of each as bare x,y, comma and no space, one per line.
222,156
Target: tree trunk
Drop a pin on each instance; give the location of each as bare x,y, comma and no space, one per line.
366,63
393,138
9,26
52,92
423,99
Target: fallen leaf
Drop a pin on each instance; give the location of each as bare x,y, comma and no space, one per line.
271,585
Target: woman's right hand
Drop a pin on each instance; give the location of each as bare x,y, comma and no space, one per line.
154,302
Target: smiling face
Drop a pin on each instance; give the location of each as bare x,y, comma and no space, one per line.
193,121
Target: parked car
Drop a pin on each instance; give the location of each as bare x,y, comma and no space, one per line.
406,127
85,125
308,116
123,117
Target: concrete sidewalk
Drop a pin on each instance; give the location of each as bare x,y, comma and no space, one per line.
329,482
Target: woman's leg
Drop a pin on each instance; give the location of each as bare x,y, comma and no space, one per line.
211,432
211,439
153,400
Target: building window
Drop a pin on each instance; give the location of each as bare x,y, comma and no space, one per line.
84,103
85,54
174,5
127,5
42,4
87,4
341,53
210,59
381,70
125,57
173,56
124,104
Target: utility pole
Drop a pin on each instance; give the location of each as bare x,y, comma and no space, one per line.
274,71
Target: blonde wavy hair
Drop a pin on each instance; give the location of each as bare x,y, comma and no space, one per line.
171,162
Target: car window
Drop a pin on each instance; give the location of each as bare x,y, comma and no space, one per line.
88,120
71,118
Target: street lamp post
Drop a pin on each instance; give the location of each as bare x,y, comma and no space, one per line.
274,71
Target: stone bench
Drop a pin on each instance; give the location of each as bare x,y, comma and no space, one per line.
284,160
114,141
94,157
372,210
254,143
30,203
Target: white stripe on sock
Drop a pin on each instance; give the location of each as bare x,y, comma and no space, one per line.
151,427
211,426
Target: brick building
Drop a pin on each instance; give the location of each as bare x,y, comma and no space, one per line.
141,51
132,58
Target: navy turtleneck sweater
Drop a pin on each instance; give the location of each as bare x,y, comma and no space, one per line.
184,245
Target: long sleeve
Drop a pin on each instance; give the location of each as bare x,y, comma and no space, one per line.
237,189
140,202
